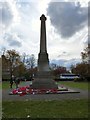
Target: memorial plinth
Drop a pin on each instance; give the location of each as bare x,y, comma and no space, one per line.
44,77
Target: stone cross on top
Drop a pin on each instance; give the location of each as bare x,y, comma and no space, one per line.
43,18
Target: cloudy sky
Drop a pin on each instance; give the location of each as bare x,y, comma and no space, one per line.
67,26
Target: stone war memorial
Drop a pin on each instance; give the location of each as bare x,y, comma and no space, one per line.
44,78
43,81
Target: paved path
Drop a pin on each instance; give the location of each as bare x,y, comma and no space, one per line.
82,95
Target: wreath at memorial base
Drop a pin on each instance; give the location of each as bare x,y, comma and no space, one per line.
27,90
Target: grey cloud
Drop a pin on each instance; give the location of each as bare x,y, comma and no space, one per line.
89,23
64,53
15,43
89,15
66,63
67,17
13,40
6,15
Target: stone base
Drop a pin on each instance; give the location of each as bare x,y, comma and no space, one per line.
44,80
44,75
43,62
44,84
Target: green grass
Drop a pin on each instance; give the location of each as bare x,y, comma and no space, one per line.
80,85
45,109
6,84
0,85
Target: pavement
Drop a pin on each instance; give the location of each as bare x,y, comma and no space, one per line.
83,94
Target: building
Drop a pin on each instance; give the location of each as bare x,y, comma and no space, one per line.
0,69
5,68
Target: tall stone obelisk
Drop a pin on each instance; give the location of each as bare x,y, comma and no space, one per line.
43,61
44,77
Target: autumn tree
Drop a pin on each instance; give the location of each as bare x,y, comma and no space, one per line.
59,70
20,70
14,58
85,54
83,69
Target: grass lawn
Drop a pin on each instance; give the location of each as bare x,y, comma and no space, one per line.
80,85
0,85
45,109
6,84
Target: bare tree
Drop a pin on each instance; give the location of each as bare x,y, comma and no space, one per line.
31,61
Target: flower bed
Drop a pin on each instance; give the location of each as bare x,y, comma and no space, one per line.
27,90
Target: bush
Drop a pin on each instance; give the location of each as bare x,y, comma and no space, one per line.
77,80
